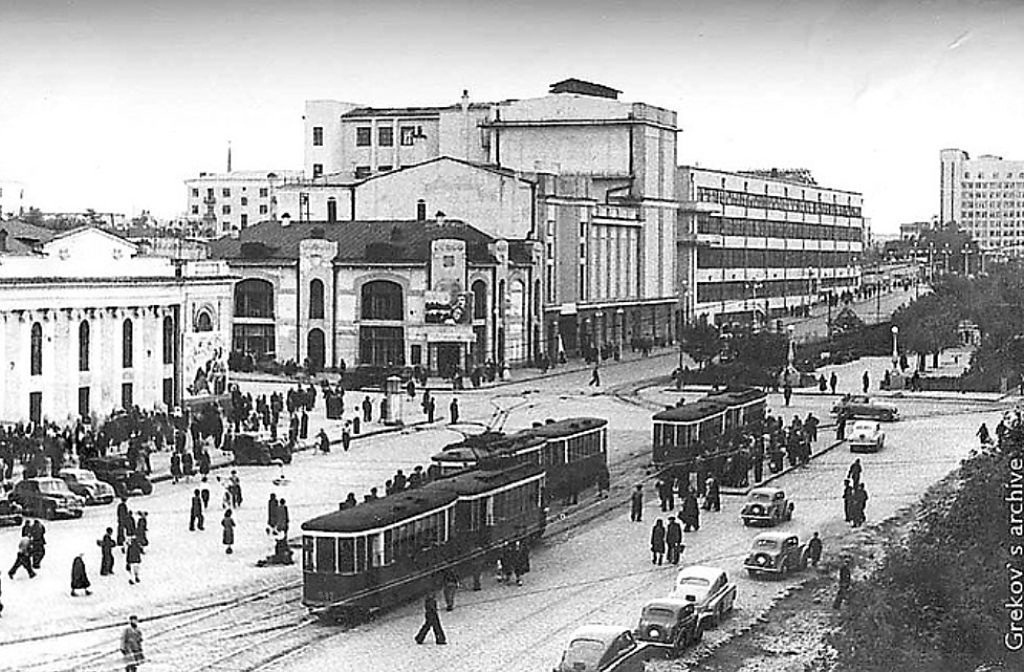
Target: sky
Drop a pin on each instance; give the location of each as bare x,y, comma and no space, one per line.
112,105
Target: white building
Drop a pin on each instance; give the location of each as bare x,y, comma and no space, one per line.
755,244
225,202
984,197
12,199
87,325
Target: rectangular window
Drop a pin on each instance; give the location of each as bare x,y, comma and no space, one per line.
406,135
264,209
195,209
363,136
226,193
168,392
126,395
318,169
264,192
245,201
225,209
195,192
362,171
346,556
245,221
318,136
326,554
383,169
209,193
35,407
385,136
83,402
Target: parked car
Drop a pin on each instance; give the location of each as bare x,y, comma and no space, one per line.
367,376
115,470
601,648
10,511
777,553
84,483
766,505
863,406
47,497
670,622
866,436
708,589
249,449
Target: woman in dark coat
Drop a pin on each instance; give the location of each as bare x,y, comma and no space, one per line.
79,579
690,513
187,463
176,467
658,543
229,531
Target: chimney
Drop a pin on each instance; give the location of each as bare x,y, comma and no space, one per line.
439,218
465,100
229,156
465,125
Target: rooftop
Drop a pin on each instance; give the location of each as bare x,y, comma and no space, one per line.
415,111
23,238
573,85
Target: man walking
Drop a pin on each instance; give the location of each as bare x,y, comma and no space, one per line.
636,501
107,545
674,540
454,408
690,513
122,516
24,558
866,382
845,579
833,381
38,535
814,550
431,621
134,561
131,645
282,517
595,377
196,517
855,472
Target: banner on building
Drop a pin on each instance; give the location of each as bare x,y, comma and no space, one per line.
204,359
447,301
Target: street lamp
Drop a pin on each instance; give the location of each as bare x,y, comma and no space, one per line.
895,350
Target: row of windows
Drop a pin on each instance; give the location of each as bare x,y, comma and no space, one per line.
226,193
385,136
585,445
739,290
994,176
84,345
760,228
750,258
765,202
226,210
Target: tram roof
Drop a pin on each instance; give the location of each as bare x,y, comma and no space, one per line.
566,427
738,395
697,410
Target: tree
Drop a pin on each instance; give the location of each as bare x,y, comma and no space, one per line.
702,342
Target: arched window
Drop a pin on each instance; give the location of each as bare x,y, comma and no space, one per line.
127,344
37,349
316,300
254,298
83,346
203,322
479,289
169,337
382,300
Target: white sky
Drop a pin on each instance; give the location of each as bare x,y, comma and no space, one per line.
111,105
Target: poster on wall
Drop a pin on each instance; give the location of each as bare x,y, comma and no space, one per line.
447,301
205,363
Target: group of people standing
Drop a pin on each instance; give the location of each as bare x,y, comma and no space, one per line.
855,496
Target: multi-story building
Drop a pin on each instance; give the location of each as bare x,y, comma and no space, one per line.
231,201
590,177
755,244
90,325
12,199
984,197
437,293
911,231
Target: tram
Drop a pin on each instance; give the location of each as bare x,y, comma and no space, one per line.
389,551
572,452
680,432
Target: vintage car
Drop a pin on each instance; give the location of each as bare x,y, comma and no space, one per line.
46,497
114,470
601,648
249,449
766,505
10,512
84,483
866,436
776,553
863,406
670,622
709,589
367,376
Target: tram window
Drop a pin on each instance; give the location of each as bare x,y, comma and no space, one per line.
364,557
325,554
346,556
389,547
307,554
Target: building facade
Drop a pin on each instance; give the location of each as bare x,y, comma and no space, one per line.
88,325
438,293
754,245
911,231
226,202
12,199
984,197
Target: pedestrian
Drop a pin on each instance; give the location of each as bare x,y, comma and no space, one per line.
451,585
841,427
431,621
79,579
235,488
822,384
367,409
175,467
636,504
454,408
845,579
814,550
107,545
431,409
860,502
847,501
674,540
346,436
133,561
228,523
204,464
520,561
595,377
131,645
272,513
713,500
787,393
122,515
690,513
866,382
204,494
603,478
24,557
304,424
196,515
855,472
811,426
142,530
187,466
282,517
833,381
983,434
38,536
383,409
658,543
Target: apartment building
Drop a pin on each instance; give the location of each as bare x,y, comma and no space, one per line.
984,197
231,201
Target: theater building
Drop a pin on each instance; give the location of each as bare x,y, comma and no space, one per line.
89,325
436,293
